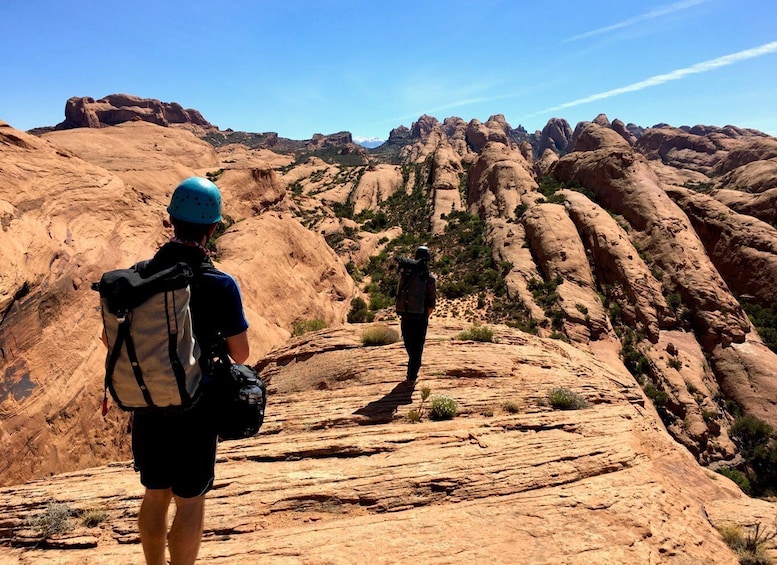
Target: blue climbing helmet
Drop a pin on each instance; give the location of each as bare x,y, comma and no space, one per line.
196,200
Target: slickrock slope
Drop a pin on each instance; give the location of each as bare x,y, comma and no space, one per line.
699,148
560,253
499,180
376,185
624,183
143,155
618,265
66,220
339,475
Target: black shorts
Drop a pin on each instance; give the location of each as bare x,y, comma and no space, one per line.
175,449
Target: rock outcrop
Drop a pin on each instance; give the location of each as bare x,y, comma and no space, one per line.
499,181
556,136
624,183
86,112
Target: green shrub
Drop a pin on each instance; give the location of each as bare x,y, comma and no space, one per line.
658,396
55,519
304,326
443,408
751,435
739,478
675,363
380,335
565,399
757,445
359,312
214,175
477,333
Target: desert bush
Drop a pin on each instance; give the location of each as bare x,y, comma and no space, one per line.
359,313
301,327
565,399
443,408
477,333
757,445
511,407
658,396
93,517
749,546
675,363
380,335
55,519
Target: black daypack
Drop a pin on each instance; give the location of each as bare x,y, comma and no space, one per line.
411,290
236,398
152,359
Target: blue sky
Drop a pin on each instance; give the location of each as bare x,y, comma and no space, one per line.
303,67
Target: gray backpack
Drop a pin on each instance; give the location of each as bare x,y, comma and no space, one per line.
152,359
411,290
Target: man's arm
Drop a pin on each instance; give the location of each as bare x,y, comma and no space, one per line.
431,294
237,347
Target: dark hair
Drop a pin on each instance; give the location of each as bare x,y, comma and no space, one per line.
187,231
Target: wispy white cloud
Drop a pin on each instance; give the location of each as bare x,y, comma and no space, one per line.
656,13
678,74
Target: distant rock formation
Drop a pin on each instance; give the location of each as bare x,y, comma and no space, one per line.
556,136
115,109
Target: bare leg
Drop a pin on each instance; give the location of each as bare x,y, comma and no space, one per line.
152,524
186,531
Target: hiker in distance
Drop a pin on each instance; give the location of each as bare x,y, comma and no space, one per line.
173,442
416,298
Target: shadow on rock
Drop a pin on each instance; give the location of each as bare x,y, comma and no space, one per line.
382,410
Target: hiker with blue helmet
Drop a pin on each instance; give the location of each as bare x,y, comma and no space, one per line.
416,298
174,448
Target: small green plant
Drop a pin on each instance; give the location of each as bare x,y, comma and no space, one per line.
214,175
380,335
93,517
477,333
443,408
304,326
55,519
416,414
749,546
511,407
675,363
565,399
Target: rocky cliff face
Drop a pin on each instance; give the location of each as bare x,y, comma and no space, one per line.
635,251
